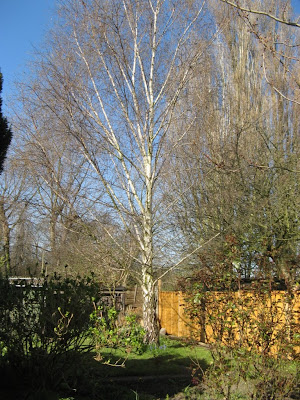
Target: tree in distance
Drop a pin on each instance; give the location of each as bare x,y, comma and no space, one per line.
5,131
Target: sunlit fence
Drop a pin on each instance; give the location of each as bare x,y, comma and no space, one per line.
242,316
172,315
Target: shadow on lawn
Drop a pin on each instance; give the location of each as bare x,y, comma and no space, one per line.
83,378
151,378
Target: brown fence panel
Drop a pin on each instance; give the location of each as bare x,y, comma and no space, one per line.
172,315
173,318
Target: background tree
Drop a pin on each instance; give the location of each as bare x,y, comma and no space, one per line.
238,172
70,239
258,14
5,131
15,193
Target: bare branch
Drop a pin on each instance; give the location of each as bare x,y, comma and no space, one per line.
260,12
187,256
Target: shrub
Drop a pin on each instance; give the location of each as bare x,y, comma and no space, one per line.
253,336
107,331
43,327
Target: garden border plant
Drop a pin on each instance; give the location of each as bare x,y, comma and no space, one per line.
44,327
107,331
253,334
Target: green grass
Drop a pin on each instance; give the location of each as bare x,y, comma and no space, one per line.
158,372
171,357
161,371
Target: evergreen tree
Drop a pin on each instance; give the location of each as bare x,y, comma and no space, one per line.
5,131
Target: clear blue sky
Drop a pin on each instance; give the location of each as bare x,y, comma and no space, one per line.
22,26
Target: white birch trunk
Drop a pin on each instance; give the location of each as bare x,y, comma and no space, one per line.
148,284
133,65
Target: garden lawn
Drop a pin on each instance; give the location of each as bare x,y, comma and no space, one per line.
159,372
171,357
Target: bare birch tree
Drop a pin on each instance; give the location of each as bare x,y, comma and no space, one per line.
118,69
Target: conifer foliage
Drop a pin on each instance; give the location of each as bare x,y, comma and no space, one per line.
5,131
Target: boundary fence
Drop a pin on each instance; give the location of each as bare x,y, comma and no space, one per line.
173,317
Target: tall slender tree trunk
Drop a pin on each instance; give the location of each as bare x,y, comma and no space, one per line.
6,239
148,285
148,288
149,308
53,225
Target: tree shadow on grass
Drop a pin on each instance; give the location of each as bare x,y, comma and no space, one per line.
84,378
150,378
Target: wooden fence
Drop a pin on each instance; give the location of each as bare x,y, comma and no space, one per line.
172,315
175,320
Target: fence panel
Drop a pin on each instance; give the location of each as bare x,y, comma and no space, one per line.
173,318
172,315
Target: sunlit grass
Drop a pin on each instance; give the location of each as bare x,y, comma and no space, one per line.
170,357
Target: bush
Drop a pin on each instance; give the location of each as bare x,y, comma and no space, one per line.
253,336
107,331
240,374
43,327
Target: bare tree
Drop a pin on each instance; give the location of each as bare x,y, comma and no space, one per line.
276,29
118,69
240,168
69,212
14,192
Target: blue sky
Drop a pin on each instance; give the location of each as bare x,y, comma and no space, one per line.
22,26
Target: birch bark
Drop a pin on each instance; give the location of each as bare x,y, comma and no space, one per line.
118,68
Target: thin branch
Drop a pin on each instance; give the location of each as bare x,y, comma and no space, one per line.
260,12
186,257
275,88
